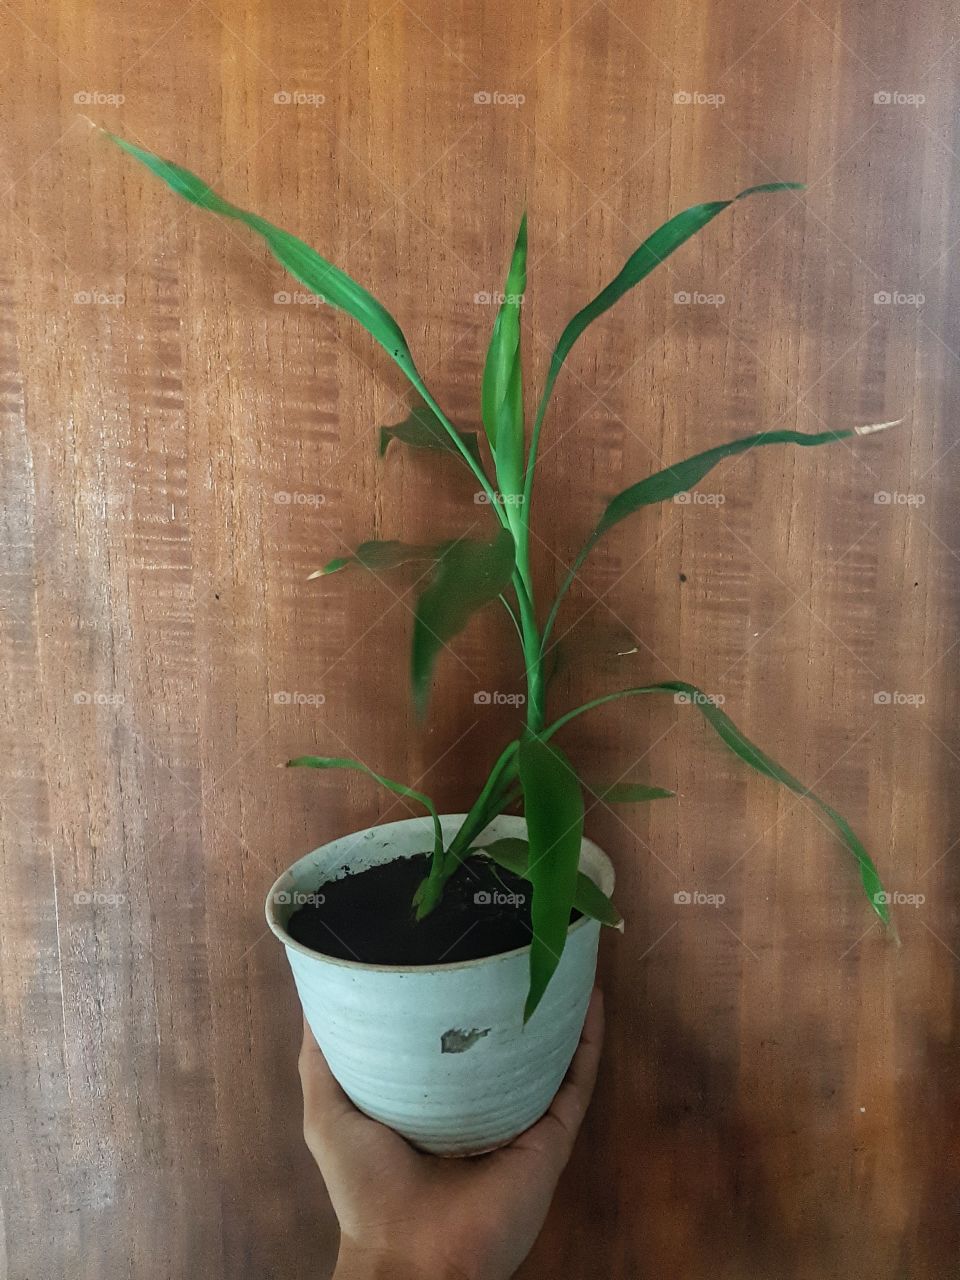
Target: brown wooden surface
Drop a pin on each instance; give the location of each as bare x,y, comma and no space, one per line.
779,1092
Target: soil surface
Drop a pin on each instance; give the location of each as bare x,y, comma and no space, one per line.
484,911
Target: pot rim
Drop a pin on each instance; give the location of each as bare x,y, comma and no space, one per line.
279,931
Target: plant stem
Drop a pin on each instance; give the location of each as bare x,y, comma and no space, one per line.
471,462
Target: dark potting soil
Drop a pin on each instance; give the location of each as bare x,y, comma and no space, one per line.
484,911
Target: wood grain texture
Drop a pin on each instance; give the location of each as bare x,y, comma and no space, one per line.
779,1093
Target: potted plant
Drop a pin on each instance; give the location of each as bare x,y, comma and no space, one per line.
445,963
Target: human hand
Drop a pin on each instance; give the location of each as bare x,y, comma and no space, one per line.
406,1215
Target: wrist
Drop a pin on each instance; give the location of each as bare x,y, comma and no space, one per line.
354,1262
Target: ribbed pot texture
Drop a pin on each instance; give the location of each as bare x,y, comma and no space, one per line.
441,1053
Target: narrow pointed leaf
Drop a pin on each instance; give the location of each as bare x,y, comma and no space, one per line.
321,277
468,576
421,429
380,556
588,898
682,476
553,806
741,746
658,246
398,788
502,392
631,793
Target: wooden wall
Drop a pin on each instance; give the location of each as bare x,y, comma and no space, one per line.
779,1096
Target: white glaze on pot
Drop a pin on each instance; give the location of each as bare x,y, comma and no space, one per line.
440,1054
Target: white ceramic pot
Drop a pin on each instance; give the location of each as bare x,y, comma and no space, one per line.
440,1054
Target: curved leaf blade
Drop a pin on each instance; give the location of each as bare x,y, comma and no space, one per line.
682,476
305,264
398,788
422,430
658,246
553,806
379,557
469,575
502,390
751,754
588,898
631,793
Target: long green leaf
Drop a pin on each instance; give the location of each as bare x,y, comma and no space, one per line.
380,556
658,246
398,788
318,275
421,430
741,746
468,576
553,806
588,898
681,476
502,391
631,793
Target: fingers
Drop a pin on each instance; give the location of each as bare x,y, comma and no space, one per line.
556,1133
324,1102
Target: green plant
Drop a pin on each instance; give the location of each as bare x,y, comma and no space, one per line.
468,574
